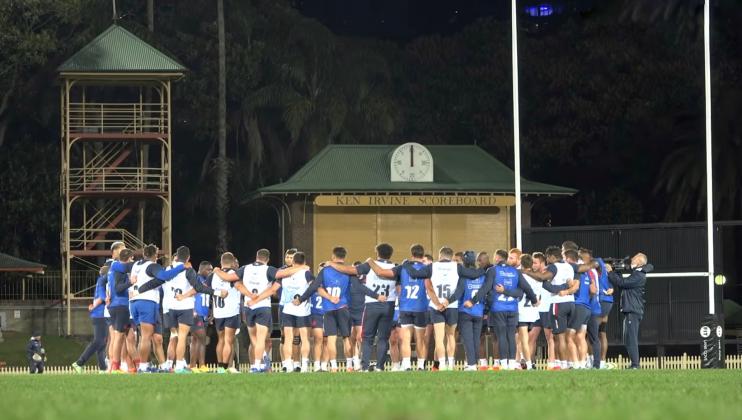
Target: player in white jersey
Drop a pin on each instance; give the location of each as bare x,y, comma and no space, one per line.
145,307
544,311
226,311
559,280
527,313
293,282
255,278
181,309
442,279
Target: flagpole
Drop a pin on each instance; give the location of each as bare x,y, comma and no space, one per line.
709,156
516,129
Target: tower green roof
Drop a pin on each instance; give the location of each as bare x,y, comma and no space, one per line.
117,50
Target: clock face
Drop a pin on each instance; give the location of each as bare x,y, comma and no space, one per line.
412,162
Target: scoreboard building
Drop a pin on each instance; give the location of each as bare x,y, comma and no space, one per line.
360,195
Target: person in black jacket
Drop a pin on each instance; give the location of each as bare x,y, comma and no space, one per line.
35,354
632,302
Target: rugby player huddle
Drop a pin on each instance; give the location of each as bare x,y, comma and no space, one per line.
564,293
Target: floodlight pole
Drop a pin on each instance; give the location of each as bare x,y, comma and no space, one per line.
709,156
516,129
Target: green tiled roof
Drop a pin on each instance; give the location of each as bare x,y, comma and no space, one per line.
365,168
118,50
11,263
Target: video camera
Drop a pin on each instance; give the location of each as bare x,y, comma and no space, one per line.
619,264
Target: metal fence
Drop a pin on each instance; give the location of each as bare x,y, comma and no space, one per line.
47,286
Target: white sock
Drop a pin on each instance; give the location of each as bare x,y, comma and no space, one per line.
602,364
406,363
143,366
442,363
334,364
504,363
482,362
180,364
420,363
288,364
304,364
323,365
124,366
564,364
451,363
316,366
297,364
395,366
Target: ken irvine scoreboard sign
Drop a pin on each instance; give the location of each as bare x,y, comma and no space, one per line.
414,201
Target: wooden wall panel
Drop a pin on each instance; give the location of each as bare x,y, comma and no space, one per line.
402,227
353,228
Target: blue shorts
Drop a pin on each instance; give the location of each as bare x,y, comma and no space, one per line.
605,308
294,321
260,316
337,322
450,316
144,311
317,321
418,319
231,322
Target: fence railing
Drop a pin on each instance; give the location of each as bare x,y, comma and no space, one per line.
138,117
47,286
684,362
118,179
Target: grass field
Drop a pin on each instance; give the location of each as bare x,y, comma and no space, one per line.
62,350
412,395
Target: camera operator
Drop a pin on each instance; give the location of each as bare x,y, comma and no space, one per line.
632,302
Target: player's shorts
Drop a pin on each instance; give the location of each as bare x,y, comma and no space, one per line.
317,321
561,314
199,323
167,320
120,318
528,325
260,316
544,320
231,322
144,311
356,318
504,319
450,316
293,321
419,320
579,318
605,308
181,316
109,321
337,322
158,324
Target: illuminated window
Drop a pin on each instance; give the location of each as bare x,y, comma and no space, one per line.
540,10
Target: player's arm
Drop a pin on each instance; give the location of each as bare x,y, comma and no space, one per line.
585,267
231,276
243,290
593,283
155,270
423,273
121,283
345,269
468,272
200,287
267,293
152,284
526,288
431,293
313,286
489,282
459,292
290,271
542,276
366,290
381,272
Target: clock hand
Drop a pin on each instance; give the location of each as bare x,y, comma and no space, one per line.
412,156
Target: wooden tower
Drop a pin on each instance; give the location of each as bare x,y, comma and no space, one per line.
116,129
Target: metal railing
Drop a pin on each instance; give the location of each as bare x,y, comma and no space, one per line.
120,179
47,286
111,117
91,238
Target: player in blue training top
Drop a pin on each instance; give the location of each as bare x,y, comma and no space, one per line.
470,314
200,321
378,312
334,289
509,286
355,306
413,306
442,279
100,329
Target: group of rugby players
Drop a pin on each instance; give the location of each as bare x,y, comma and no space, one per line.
564,293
